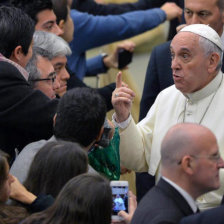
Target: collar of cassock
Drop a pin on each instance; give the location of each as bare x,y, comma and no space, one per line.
207,90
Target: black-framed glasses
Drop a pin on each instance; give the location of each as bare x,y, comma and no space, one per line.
216,157
52,77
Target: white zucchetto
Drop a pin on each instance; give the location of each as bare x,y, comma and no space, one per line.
204,31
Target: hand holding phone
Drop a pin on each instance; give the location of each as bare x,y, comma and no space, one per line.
120,198
127,217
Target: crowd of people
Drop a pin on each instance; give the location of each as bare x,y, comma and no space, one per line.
50,120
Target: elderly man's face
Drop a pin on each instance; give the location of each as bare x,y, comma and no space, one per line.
204,12
47,72
46,21
59,64
189,63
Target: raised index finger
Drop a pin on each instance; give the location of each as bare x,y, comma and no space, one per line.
119,80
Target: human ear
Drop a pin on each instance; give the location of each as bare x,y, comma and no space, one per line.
213,62
61,24
187,165
16,54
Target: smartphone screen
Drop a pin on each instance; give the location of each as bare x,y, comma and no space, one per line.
120,199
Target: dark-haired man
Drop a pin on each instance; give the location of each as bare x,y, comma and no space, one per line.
25,114
79,118
41,12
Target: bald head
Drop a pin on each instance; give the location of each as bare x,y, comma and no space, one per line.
184,139
191,159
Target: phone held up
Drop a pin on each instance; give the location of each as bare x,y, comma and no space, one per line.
124,58
120,198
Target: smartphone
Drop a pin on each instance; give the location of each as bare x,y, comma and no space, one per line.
105,140
124,58
120,198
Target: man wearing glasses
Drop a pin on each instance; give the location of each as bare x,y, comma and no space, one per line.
41,73
190,163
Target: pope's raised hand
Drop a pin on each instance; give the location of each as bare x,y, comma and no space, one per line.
122,98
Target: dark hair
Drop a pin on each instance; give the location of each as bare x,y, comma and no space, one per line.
16,29
12,214
85,199
4,157
60,8
80,116
8,214
33,7
54,165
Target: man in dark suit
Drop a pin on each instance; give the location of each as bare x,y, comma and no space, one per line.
26,115
190,162
159,73
215,215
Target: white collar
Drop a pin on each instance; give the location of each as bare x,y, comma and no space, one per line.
186,196
207,90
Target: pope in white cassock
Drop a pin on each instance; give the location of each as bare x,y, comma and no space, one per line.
196,97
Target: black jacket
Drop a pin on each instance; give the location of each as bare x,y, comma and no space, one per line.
162,204
26,115
215,216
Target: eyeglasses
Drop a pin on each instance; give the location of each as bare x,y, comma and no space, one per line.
52,77
216,157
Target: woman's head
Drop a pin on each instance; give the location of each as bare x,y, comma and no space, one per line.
55,164
5,178
85,199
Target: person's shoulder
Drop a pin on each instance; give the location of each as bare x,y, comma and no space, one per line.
164,47
158,208
8,67
75,14
25,158
171,90
30,149
161,54
167,216
206,217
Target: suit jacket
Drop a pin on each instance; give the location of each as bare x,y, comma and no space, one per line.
26,115
215,215
158,76
162,204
